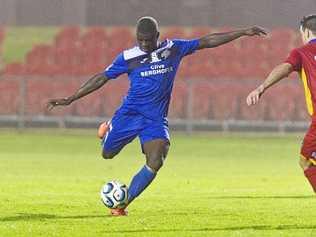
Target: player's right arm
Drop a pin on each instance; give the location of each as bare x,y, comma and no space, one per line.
89,86
278,73
292,63
117,68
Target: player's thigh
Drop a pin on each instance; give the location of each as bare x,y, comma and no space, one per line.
156,151
156,148
122,130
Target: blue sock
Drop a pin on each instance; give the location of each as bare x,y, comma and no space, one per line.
140,182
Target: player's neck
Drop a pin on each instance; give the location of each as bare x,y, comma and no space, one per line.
157,46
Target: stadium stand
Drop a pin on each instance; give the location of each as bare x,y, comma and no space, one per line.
213,74
83,53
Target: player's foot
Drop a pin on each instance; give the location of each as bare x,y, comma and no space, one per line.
119,212
103,128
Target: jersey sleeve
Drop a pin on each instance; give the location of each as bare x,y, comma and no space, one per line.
186,47
295,60
117,68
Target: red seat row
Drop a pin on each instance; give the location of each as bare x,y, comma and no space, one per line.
78,52
211,100
227,100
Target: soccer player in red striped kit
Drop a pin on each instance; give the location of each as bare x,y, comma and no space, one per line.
303,61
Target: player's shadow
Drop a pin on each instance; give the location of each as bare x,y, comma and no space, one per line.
261,197
237,228
34,217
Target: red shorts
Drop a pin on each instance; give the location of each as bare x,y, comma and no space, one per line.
308,149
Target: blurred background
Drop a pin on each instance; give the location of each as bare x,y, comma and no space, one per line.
48,48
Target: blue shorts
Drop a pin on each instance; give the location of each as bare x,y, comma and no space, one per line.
125,127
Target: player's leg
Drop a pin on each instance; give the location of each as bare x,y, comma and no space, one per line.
308,156
120,131
308,166
155,152
155,146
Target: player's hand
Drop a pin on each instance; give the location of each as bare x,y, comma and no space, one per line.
58,102
254,96
255,30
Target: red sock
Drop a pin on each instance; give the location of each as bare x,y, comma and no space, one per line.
310,174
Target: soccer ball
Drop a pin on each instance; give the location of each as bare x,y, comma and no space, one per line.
114,194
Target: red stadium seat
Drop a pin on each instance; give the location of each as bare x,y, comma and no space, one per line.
9,96
95,37
174,33
178,104
67,37
202,100
245,112
14,69
67,60
112,95
197,32
224,102
40,60
120,38
281,102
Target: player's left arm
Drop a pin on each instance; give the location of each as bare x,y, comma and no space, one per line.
217,39
94,83
278,73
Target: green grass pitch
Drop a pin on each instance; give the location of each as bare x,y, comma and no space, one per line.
211,185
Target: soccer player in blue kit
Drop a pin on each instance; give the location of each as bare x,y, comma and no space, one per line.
151,67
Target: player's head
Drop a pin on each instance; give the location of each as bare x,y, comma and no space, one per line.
147,33
308,28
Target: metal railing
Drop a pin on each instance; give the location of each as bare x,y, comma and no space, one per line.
215,104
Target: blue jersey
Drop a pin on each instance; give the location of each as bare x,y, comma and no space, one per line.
151,76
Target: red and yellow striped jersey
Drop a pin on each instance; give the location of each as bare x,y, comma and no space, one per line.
303,60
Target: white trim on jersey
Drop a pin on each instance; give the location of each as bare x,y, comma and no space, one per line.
136,51
133,53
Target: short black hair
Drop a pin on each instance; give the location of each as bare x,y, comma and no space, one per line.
146,25
309,22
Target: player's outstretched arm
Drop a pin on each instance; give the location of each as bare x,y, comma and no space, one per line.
279,72
89,86
217,39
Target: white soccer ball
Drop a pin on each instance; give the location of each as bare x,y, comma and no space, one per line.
114,194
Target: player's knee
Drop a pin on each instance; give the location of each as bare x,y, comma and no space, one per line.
155,162
108,155
304,164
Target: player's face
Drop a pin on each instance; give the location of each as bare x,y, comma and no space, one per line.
306,35
147,42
